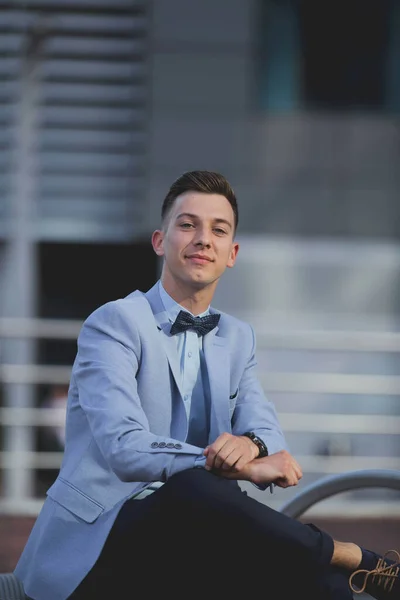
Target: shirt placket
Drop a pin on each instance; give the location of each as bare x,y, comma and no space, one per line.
191,365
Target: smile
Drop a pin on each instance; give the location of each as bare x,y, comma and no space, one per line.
199,259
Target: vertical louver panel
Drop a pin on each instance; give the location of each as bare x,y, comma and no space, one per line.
8,91
84,64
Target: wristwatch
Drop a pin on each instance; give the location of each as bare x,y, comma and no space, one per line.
262,448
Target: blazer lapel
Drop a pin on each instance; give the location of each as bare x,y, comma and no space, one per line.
169,343
167,340
216,354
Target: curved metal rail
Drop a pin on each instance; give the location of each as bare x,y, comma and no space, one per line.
11,588
338,483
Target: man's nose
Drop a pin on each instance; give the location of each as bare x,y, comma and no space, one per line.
202,238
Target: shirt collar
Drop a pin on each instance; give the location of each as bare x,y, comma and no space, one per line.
171,307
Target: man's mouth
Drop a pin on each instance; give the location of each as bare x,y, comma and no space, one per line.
199,258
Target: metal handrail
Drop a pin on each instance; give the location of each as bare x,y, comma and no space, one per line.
336,484
27,328
267,336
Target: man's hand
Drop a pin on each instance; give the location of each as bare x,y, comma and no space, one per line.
280,468
230,453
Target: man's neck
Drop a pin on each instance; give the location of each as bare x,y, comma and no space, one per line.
195,301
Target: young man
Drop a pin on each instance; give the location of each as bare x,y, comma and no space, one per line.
164,393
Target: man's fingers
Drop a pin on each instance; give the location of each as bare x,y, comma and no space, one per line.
285,482
226,457
298,469
226,451
213,451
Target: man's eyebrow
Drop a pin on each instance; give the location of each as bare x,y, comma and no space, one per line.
193,216
186,214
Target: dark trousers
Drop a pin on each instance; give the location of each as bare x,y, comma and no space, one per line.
201,534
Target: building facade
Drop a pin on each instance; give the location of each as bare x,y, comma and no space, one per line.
104,103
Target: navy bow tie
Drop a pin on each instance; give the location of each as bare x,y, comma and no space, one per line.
201,325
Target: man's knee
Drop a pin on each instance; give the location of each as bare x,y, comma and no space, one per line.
196,482
200,478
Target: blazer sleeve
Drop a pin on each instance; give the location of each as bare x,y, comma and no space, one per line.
253,411
105,369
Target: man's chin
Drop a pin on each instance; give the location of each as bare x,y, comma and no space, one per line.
202,283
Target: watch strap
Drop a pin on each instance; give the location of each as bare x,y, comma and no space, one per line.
262,448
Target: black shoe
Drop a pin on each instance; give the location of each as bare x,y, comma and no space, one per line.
381,582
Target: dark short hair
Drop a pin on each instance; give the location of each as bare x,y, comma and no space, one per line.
206,182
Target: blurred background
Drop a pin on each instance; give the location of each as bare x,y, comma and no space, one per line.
103,104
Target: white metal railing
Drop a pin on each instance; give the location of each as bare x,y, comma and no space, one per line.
56,329
15,418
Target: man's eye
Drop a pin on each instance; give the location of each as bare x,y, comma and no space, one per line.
186,225
219,231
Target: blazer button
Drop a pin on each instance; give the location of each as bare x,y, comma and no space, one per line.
154,445
178,446
162,445
170,445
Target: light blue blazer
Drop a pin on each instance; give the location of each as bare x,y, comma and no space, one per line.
125,394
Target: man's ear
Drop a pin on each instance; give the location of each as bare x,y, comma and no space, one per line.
157,239
233,255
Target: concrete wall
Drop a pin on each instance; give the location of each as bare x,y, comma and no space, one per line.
295,173
202,78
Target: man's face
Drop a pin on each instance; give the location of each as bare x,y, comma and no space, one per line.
196,241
